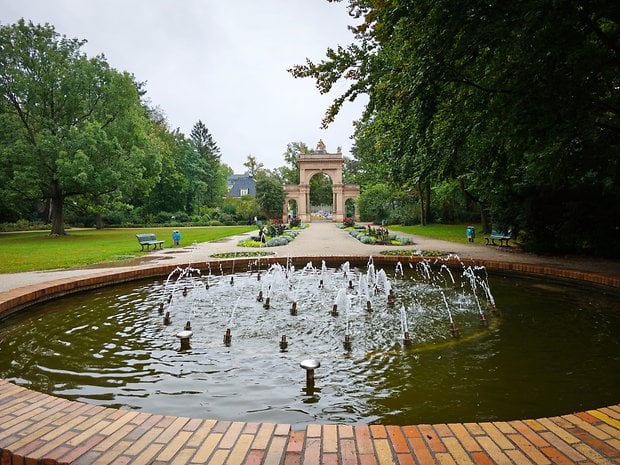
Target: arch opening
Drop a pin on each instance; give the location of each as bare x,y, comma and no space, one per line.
314,169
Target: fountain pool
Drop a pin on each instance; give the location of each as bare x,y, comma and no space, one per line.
549,348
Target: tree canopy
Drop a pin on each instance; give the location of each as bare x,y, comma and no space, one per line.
516,101
74,126
77,133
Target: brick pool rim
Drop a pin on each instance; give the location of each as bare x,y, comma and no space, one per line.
21,448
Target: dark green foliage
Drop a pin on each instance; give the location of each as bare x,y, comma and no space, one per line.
72,127
270,196
451,206
517,102
320,190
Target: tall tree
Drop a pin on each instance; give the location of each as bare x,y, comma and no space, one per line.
254,167
270,196
290,172
208,179
78,125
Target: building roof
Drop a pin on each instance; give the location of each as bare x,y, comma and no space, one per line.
241,182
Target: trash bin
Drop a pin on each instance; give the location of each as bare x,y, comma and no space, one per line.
471,233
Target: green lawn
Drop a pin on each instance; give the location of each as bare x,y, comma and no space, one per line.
446,232
29,251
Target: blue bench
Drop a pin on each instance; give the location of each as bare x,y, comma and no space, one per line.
501,236
149,240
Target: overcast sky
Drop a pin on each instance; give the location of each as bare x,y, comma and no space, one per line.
223,62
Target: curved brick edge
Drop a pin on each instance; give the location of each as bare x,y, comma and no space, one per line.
36,428
19,298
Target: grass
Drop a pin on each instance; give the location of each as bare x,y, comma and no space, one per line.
29,251
446,232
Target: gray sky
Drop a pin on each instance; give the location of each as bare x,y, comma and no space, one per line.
220,61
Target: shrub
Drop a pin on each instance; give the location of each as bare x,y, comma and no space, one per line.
294,222
348,222
364,239
23,225
227,219
181,217
277,241
163,217
250,243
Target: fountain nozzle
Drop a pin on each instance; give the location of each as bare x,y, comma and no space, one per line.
483,320
294,309
390,298
334,311
266,305
283,344
184,338
161,308
227,338
259,297
310,365
188,326
407,339
368,306
347,342
167,319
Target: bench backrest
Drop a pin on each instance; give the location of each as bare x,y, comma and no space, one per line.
146,237
496,232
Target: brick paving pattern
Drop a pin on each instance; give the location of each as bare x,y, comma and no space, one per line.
39,429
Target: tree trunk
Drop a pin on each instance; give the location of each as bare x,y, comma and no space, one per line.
424,193
98,221
484,219
427,202
422,209
484,211
57,210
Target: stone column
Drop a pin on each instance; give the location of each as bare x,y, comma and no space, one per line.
302,205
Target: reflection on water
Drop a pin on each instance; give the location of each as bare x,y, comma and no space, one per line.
552,349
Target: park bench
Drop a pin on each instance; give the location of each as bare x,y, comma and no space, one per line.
501,236
149,240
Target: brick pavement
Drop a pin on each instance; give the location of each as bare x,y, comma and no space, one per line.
38,429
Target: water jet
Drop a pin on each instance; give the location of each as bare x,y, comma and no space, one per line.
367,382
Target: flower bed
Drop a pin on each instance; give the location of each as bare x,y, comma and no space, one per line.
378,235
273,235
415,253
249,253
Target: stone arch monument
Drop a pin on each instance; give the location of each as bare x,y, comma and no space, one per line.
315,162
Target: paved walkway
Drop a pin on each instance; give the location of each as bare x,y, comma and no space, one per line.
38,429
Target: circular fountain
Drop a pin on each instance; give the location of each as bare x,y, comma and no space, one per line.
404,343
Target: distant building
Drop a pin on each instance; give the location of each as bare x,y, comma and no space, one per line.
240,185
